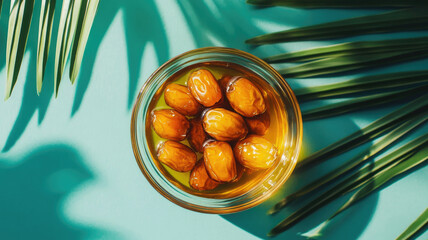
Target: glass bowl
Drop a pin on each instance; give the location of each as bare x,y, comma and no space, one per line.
261,191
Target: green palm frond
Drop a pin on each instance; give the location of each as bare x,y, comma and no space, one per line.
350,49
337,3
348,166
358,103
401,20
384,177
362,85
343,64
381,179
75,23
354,181
373,130
373,90
21,13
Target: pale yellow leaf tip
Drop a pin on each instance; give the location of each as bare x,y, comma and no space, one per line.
39,89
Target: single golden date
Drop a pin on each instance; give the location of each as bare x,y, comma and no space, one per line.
204,87
179,97
255,152
170,124
224,125
245,97
176,156
219,161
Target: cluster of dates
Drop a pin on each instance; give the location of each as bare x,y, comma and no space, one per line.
214,129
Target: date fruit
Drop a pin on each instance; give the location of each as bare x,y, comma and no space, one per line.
199,178
179,97
258,124
170,124
204,87
219,161
224,125
197,135
245,98
176,156
255,152
224,82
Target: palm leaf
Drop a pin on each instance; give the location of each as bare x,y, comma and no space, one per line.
350,48
81,38
61,52
337,3
359,103
354,181
345,168
45,31
362,84
20,16
367,133
384,177
415,227
66,30
342,64
401,20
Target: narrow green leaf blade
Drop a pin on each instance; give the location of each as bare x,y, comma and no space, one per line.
337,3
408,20
67,28
364,102
20,16
343,64
349,48
415,227
81,39
352,182
60,51
362,84
348,166
78,7
384,177
367,133
44,39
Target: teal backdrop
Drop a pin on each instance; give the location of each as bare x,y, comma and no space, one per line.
67,170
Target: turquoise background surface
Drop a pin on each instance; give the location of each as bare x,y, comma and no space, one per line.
67,170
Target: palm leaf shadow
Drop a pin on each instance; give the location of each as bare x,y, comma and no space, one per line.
210,26
143,25
31,205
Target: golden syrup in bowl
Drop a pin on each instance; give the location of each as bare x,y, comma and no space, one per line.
276,132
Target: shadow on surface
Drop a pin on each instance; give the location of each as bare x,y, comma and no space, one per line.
222,23
142,24
33,191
